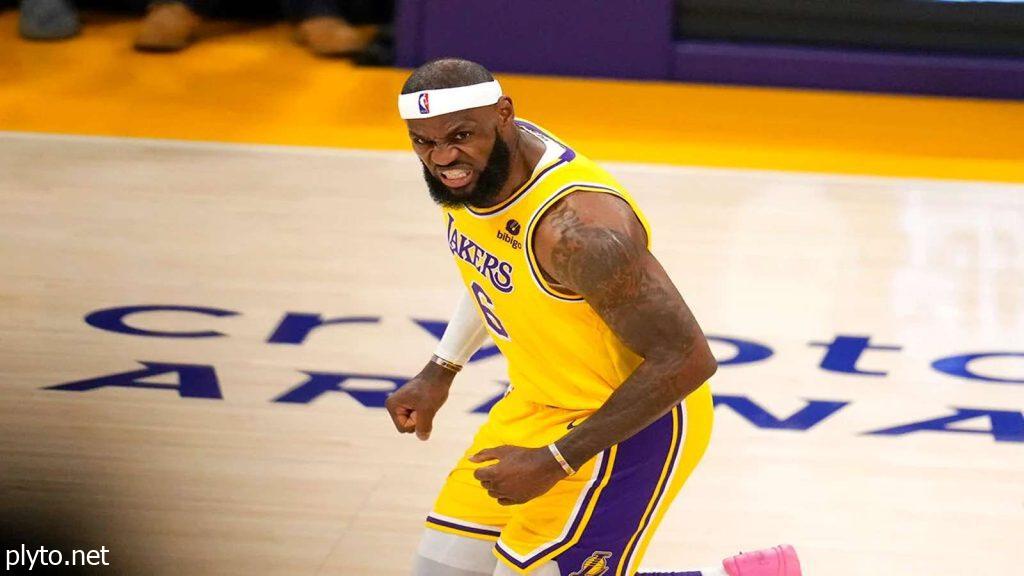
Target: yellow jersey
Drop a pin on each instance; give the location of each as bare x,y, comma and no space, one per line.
560,352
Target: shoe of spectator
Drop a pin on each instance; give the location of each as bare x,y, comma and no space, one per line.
48,20
381,49
333,37
168,27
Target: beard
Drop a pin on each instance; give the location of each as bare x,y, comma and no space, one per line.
488,184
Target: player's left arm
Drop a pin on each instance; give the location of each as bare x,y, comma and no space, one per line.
593,244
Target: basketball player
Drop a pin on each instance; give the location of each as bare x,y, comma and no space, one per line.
608,411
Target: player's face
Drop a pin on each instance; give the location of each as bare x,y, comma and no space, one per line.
465,160
485,187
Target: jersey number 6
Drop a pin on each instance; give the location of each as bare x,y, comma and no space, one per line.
487,308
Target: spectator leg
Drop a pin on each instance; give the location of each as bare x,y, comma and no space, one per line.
48,19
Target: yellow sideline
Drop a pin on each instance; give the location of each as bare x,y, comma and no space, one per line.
245,83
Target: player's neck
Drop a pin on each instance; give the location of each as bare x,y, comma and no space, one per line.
527,151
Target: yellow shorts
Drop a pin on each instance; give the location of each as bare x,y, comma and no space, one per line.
601,517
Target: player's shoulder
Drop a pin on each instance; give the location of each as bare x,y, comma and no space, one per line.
581,177
586,222
583,208
572,167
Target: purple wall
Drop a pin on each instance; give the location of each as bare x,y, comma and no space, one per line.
620,38
633,39
799,67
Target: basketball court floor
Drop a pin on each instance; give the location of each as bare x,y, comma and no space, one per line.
259,448
196,337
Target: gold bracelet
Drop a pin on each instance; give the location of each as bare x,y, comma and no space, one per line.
561,459
445,364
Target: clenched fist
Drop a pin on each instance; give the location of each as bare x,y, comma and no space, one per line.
519,475
413,406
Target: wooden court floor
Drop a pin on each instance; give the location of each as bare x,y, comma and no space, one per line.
245,451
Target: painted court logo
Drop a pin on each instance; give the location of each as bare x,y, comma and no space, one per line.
595,565
424,102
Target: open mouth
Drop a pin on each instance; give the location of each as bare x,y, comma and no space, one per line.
456,177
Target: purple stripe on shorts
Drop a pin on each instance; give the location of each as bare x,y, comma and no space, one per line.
484,531
661,491
575,521
619,513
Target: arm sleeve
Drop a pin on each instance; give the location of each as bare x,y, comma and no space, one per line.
464,335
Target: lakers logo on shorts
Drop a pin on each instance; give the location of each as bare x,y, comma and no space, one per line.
595,565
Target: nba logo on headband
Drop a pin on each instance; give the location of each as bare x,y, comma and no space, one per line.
440,101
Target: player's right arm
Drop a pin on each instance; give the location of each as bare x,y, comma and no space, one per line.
413,406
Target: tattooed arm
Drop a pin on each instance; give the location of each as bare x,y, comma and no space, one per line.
593,245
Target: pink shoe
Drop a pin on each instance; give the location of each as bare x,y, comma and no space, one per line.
777,561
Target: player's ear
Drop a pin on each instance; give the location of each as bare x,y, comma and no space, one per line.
506,111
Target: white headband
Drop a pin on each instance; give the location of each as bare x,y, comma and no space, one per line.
430,103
